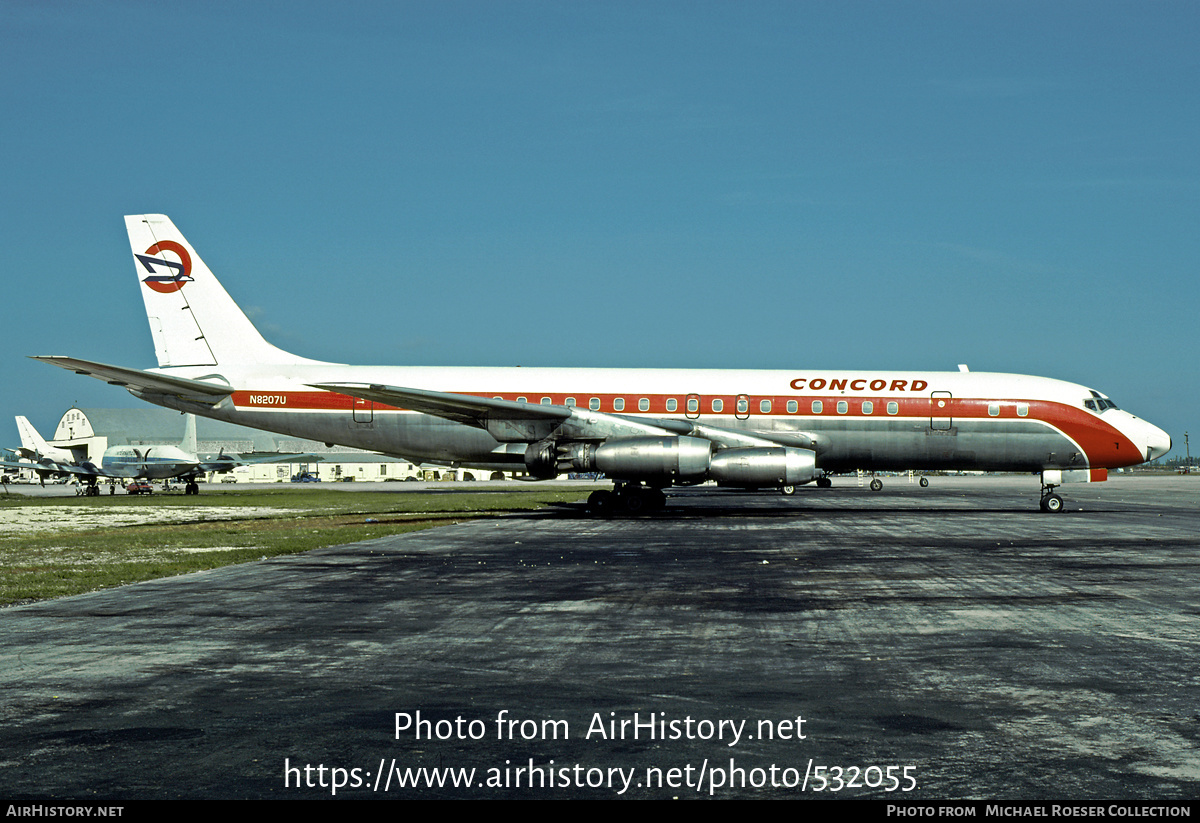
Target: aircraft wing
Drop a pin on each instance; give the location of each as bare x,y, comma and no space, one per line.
510,421
79,470
142,382
506,420
227,463
461,408
725,437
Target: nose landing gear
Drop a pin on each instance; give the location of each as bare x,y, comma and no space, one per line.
1051,502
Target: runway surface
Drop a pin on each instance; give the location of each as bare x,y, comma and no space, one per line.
945,642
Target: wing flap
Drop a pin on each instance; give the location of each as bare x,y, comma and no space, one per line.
462,408
505,420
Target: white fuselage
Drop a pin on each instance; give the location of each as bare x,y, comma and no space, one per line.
854,419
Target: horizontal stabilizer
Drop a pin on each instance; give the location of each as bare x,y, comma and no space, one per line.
142,382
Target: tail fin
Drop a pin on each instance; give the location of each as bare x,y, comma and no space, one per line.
193,319
35,447
189,434
30,439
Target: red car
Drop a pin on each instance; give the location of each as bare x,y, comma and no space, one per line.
139,487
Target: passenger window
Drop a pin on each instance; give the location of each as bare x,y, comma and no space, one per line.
521,400
619,404
1022,410
792,407
693,405
594,404
718,404
644,404
671,404
817,407
993,409
743,405
570,401
842,407
893,407
545,401
868,407
764,406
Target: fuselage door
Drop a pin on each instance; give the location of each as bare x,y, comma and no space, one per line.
692,406
940,416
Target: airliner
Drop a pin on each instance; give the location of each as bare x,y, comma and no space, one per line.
646,429
149,462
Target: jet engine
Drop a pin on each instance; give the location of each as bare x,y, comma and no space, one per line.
779,466
674,460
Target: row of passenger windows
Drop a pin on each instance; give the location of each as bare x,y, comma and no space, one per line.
718,405
764,406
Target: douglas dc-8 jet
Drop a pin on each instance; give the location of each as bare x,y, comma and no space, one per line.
646,429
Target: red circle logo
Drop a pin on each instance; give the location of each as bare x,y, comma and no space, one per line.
166,275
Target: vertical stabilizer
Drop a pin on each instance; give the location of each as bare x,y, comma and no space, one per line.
35,447
193,319
189,435
30,439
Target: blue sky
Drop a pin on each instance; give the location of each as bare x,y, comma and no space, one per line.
865,185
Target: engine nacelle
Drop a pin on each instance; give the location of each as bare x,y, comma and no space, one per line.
541,460
675,459
780,466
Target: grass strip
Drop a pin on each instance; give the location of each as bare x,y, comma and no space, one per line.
59,562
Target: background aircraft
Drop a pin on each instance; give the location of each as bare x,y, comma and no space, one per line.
646,429
150,462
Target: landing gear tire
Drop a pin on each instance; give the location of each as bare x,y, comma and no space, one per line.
876,484
636,500
601,502
1052,503
924,482
787,490
824,483
633,503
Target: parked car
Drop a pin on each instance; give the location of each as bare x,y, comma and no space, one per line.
305,477
139,487
229,478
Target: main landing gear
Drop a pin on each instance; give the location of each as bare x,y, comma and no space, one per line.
191,486
628,499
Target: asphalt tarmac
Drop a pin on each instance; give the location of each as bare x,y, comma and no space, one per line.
949,642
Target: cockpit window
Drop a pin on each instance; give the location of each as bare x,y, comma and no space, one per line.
1099,404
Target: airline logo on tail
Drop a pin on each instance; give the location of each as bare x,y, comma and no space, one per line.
165,283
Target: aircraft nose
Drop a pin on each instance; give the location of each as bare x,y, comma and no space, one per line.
1158,443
